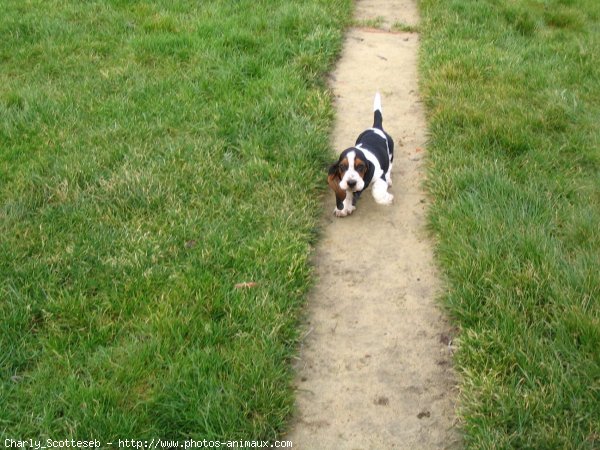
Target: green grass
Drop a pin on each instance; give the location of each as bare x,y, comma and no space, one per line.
512,90
376,22
153,155
405,28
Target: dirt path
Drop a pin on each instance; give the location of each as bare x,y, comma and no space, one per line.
375,367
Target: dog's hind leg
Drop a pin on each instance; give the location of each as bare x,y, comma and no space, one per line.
390,146
388,176
380,193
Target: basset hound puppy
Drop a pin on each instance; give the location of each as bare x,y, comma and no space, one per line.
369,162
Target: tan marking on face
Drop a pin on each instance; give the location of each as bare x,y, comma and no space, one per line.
343,166
360,166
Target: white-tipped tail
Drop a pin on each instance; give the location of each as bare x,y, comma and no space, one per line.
377,103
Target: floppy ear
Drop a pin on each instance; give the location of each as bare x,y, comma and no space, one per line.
369,172
333,179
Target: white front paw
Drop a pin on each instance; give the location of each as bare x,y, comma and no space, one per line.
344,212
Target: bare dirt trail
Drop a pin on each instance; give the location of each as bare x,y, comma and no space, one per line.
375,366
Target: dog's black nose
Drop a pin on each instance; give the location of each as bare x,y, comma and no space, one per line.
351,183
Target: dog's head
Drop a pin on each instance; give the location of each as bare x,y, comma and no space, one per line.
349,172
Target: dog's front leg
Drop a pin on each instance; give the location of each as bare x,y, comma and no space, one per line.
348,206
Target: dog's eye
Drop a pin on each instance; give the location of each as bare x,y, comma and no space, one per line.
343,167
360,167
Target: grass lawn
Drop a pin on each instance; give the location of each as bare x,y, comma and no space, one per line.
513,96
153,154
